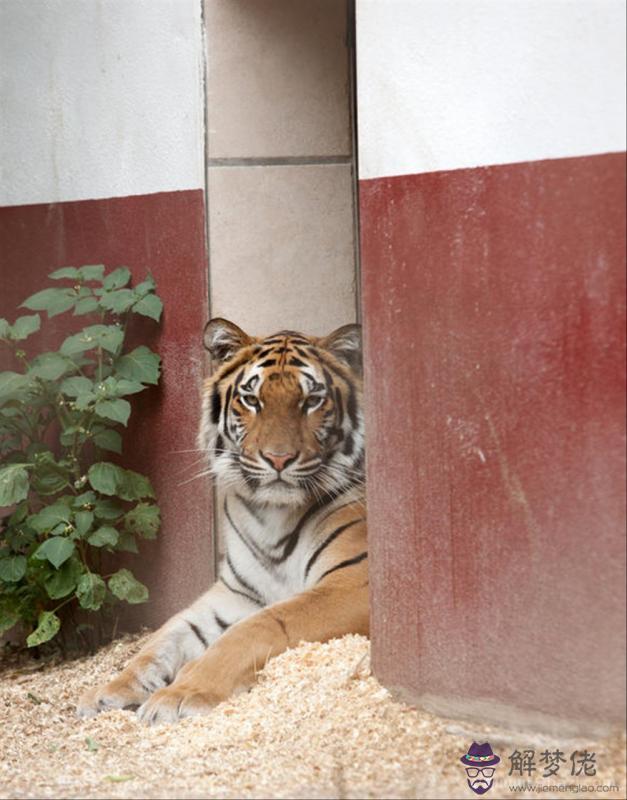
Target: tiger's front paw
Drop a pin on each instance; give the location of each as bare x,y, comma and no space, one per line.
175,702
116,694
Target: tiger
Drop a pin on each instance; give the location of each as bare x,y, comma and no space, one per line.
282,430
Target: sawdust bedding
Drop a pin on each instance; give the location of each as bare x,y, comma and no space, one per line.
317,725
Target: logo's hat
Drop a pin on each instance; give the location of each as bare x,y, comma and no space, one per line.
480,755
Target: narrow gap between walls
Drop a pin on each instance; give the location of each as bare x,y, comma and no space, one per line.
214,531
351,46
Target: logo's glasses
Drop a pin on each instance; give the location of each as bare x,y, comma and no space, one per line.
487,772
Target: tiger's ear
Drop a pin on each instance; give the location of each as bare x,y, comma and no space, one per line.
345,345
223,339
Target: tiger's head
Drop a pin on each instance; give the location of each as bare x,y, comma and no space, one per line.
281,420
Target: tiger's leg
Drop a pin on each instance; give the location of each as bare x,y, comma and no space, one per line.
338,604
184,637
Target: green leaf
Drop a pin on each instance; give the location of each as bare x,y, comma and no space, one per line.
91,591
116,410
143,520
134,486
83,521
92,272
127,543
92,744
109,337
24,326
49,516
72,387
116,279
12,384
105,477
141,364
19,515
63,581
47,627
56,550
5,329
105,536
108,509
13,484
49,478
125,586
86,498
109,440
54,301
65,272
50,366
86,305
12,569
124,386
7,620
84,401
150,306
118,301
110,479
146,286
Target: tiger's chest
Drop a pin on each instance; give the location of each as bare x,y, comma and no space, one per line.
270,547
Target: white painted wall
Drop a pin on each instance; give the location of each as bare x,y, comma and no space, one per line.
99,98
445,84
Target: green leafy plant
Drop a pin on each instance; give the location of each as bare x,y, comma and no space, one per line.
67,505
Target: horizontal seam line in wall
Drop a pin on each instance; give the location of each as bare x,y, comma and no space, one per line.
287,161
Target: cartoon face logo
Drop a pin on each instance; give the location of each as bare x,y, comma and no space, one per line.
480,763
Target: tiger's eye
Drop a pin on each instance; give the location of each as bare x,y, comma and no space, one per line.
313,401
250,400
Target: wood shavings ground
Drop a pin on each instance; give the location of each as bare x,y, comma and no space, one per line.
317,725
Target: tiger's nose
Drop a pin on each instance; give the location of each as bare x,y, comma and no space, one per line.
279,460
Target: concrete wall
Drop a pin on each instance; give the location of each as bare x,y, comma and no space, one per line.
448,84
101,152
99,99
280,183
494,311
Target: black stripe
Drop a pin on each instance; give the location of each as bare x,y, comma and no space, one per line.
296,362
198,633
253,548
216,406
227,403
351,405
339,404
348,563
252,599
339,508
220,622
290,540
328,378
265,352
349,445
250,508
241,580
238,377
331,537
231,369
300,352
269,362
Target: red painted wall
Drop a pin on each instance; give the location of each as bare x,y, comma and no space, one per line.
163,233
494,311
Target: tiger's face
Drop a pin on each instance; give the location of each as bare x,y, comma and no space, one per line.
282,420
